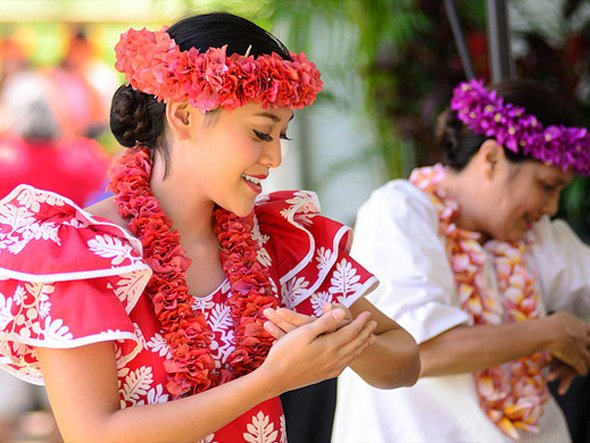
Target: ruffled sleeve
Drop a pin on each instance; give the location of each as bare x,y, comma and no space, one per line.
308,253
67,279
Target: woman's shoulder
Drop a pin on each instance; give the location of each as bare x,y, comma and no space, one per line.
399,199
44,235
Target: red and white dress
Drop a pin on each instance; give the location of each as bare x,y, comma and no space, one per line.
69,279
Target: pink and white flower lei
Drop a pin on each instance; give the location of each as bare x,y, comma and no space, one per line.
486,113
153,63
191,368
512,395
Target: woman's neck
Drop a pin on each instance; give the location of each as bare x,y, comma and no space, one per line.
192,216
461,187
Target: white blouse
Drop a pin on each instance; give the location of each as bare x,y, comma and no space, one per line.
396,238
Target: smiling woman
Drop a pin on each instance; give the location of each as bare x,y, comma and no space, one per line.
189,284
474,268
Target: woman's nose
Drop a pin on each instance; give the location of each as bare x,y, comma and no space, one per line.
272,155
552,204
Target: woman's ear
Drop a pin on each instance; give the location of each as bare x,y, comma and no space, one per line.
491,154
179,117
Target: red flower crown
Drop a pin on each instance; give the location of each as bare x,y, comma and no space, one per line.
153,63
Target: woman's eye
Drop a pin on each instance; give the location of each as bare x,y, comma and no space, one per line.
262,136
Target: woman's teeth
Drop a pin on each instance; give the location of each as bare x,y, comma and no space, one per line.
254,180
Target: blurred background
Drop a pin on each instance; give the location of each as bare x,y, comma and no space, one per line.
388,66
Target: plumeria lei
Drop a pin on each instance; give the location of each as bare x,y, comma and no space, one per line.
153,63
486,113
512,395
191,368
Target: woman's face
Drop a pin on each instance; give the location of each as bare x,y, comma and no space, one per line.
519,195
228,154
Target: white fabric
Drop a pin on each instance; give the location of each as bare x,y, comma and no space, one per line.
396,238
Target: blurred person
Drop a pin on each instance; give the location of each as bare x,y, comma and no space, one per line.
82,87
491,288
13,58
181,308
33,150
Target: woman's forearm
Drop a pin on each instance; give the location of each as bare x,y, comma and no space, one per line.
472,348
392,359
390,362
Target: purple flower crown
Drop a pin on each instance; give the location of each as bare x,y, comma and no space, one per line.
486,113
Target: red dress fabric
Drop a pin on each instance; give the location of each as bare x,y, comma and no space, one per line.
69,279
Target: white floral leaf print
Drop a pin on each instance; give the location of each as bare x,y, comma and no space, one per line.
16,246
56,330
156,395
23,229
209,439
5,311
40,231
261,430
325,257
317,302
130,286
220,318
263,257
345,279
40,292
136,384
262,198
256,235
15,216
283,429
158,345
139,334
19,295
202,304
293,288
31,198
304,206
107,246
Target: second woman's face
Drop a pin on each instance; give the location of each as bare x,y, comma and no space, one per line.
523,194
231,153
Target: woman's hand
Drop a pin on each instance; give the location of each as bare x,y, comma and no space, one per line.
569,340
562,372
316,349
283,320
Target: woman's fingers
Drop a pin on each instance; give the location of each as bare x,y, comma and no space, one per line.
361,341
565,373
286,319
274,330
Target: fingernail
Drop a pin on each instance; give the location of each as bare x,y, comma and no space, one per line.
338,314
268,311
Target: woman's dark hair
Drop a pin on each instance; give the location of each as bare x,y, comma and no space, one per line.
459,143
137,117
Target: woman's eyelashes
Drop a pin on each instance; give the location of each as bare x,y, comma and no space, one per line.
267,137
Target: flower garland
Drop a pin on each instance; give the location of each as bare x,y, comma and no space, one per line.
191,368
153,63
486,113
512,395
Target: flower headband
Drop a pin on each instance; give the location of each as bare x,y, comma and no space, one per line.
486,113
153,63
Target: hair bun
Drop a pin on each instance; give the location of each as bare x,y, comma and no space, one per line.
136,117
